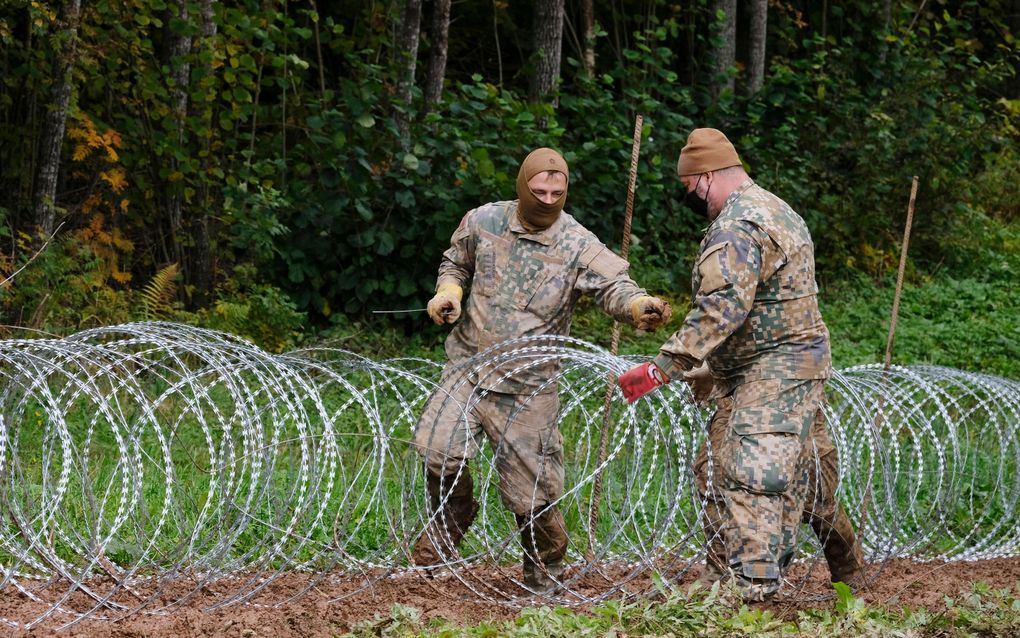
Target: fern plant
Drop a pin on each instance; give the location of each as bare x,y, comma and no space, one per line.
158,294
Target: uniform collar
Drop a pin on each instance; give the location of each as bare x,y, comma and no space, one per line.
735,195
730,200
546,237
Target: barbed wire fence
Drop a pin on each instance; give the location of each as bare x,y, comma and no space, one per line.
146,464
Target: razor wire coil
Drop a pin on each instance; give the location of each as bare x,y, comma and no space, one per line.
143,463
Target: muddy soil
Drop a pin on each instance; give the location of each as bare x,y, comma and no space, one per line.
330,604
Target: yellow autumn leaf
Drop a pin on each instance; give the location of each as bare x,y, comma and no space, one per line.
121,242
116,178
120,276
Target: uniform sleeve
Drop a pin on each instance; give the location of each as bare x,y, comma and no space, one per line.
728,271
458,263
604,276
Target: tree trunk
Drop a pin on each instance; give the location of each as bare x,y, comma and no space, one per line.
1014,25
407,50
45,192
202,276
725,55
588,37
756,53
180,76
547,42
883,50
318,52
438,48
825,21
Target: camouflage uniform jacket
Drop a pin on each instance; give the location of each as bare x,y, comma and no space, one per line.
755,310
524,283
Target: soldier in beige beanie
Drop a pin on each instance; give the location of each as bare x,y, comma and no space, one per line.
709,159
755,343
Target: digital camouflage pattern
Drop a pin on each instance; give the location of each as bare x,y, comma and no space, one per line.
518,283
812,500
523,283
819,471
755,310
758,476
755,321
527,446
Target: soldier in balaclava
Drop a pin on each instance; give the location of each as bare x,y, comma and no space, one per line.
523,264
755,343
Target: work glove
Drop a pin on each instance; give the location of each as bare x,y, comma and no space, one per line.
445,306
640,380
650,313
702,383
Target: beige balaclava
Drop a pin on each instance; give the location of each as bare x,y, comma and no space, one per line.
533,212
707,150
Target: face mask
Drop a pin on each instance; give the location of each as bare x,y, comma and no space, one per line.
534,213
695,202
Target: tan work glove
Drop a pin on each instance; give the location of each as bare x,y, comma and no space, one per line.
702,383
444,307
650,313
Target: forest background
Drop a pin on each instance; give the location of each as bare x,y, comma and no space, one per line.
281,169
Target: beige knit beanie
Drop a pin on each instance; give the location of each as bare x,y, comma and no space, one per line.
707,150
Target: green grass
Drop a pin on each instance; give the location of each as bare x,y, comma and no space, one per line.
958,323
712,614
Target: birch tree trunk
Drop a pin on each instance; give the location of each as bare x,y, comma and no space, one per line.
588,37
407,51
547,44
724,56
439,36
52,140
756,53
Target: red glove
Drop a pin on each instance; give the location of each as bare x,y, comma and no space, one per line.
640,380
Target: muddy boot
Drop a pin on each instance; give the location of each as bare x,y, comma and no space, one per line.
756,590
544,540
449,520
716,566
842,550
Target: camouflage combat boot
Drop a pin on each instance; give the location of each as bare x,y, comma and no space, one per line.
756,590
716,566
843,551
449,521
544,540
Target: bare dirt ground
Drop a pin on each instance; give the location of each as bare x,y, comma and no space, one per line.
333,604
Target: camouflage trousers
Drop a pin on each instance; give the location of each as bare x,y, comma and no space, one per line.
521,429
755,472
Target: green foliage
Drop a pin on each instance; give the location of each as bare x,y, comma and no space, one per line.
271,140
957,322
68,287
256,311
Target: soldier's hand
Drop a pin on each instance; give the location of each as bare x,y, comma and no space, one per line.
444,307
650,313
640,380
702,383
